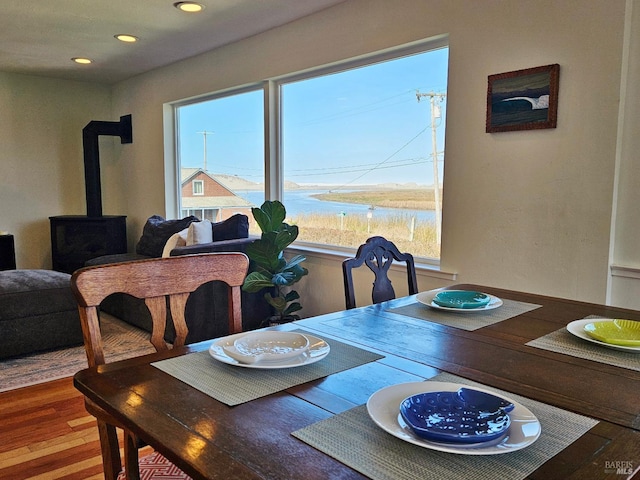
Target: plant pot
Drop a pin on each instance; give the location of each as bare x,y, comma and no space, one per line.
276,320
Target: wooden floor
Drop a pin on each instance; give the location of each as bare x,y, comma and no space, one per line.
45,433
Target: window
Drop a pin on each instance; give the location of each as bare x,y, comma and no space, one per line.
362,153
358,148
221,154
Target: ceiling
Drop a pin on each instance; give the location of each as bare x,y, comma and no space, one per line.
39,37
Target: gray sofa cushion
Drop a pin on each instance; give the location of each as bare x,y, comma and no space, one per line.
236,226
115,258
157,231
26,293
37,312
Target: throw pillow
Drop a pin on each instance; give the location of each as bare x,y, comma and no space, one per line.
199,232
157,231
176,240
236,226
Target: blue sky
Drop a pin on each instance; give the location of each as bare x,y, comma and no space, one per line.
362,126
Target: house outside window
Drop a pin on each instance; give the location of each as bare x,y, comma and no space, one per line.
353,150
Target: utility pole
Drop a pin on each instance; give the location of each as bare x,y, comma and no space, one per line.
204,134
435,113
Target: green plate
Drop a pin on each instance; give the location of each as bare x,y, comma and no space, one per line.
616,332
461,299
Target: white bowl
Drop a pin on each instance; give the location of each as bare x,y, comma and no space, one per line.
267,346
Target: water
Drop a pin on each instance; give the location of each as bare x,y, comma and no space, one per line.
300,201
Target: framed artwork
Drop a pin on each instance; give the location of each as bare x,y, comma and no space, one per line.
523,99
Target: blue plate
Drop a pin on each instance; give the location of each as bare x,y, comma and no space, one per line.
465,416
461,299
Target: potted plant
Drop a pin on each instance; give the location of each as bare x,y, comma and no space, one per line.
269,268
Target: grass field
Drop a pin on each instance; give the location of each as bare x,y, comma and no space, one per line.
417,238
353,230
409,235
415,198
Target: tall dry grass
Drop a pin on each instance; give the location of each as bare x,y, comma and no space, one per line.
353,230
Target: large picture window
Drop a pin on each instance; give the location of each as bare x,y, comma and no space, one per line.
363,151
353,150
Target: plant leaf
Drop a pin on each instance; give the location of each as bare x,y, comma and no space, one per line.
295,260
278,303
270,215
256,281
292,295
294,307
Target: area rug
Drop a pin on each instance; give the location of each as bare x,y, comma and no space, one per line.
120,340
156,467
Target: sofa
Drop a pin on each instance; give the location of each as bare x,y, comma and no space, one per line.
206,311
38,312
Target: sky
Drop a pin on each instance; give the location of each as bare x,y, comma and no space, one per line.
361,126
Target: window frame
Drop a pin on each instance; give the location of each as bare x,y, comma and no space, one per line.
201,184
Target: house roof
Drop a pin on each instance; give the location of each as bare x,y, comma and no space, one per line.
218,201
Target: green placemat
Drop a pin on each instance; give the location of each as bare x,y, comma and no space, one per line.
355,440
561,341
234,385
466,321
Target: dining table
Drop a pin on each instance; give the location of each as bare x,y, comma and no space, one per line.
335,415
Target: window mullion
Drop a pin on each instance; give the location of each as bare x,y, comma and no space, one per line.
274,181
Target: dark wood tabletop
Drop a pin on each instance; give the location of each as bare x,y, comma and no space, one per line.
209,439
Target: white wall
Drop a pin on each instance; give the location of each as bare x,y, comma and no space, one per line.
625,283
41,162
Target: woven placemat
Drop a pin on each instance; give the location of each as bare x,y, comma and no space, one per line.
234,385
466,321
561,341
355,440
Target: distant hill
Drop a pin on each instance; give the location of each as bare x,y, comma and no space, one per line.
239,184
236,183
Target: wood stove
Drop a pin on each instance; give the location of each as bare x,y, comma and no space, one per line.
78,238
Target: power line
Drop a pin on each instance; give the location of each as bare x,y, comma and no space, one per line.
383,161
385,167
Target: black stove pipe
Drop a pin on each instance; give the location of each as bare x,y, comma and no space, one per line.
91,152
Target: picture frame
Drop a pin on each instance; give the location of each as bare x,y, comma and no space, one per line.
523,99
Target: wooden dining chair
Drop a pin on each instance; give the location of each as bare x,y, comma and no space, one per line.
378,254
159,281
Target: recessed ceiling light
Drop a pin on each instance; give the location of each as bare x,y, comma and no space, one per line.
123,37
82,60
191,7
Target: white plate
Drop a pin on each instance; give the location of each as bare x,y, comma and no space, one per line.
384,408
318,349
426,298
577,328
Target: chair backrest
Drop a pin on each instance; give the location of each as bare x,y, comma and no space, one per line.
378,254
156,280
